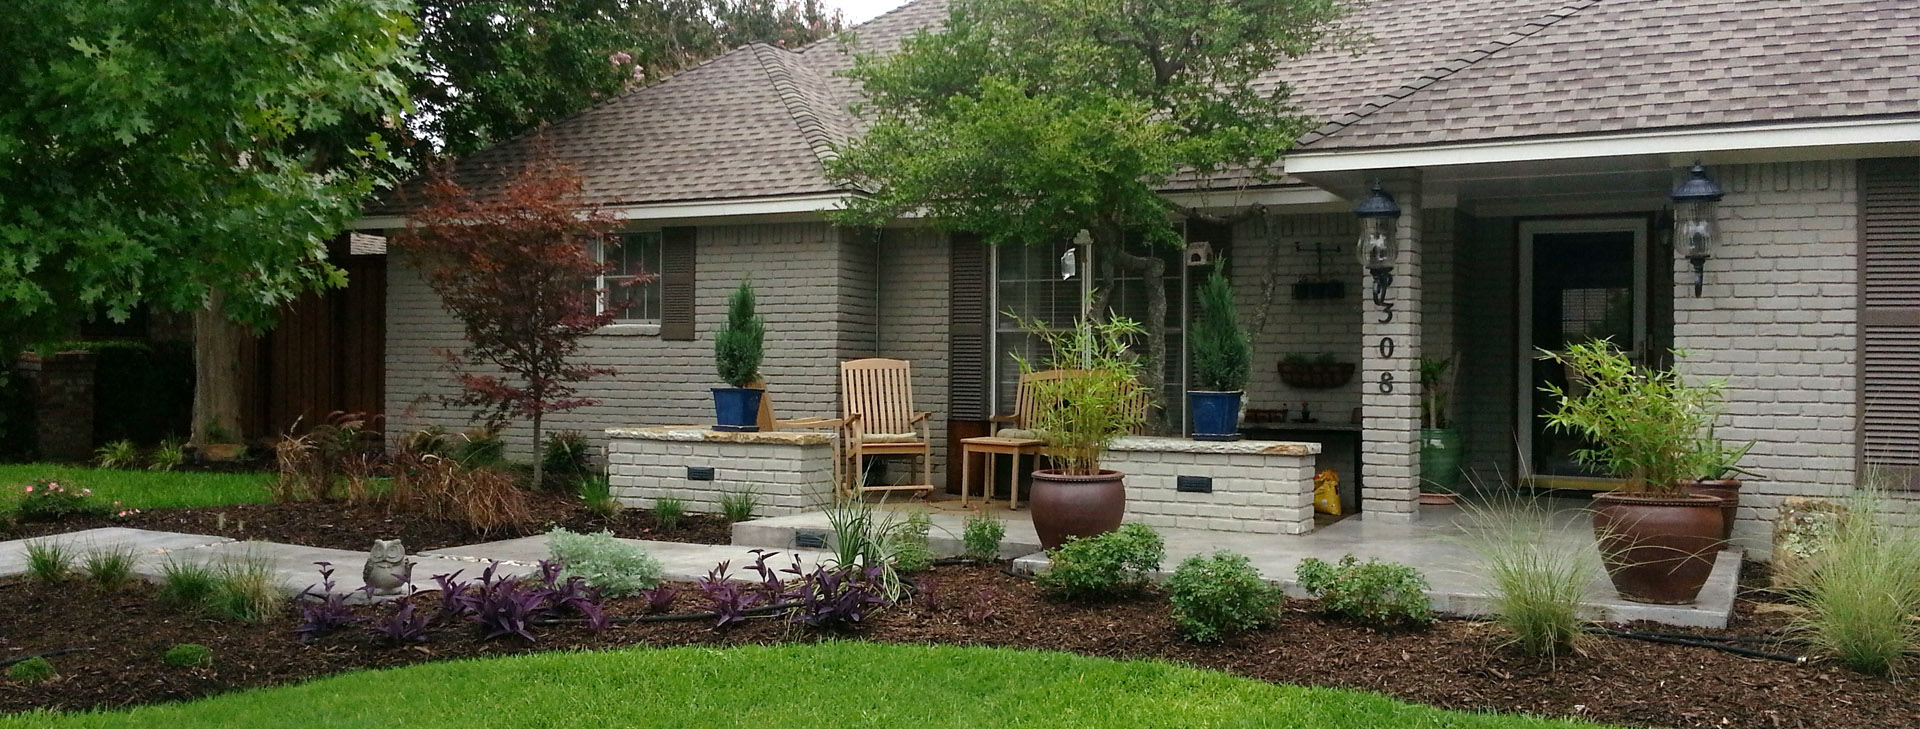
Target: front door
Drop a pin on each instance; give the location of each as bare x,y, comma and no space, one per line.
1580,280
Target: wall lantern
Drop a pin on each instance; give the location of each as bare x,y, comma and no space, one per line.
1378,214
1694,203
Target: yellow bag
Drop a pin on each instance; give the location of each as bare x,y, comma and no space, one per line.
1326,492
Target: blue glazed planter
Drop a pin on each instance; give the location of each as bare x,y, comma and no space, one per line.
736,409
1216,415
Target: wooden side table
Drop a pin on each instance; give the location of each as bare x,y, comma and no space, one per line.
991,447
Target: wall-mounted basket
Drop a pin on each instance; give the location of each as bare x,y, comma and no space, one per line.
1316,375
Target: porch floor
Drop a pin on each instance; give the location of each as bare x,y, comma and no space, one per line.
1437,544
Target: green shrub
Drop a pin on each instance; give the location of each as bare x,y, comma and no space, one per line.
1104,566
568,453
1378,592
1220,595
109,569
189,655
597,492
738,506
737,347
118,454
48,562
1539,580
907,542
617,568
981,536
188,584
168,455
52,501
667,512
1861,587
1222,354
32,670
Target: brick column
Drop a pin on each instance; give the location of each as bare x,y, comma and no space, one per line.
60,388
1390,376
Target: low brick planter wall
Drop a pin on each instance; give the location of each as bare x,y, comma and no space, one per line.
790,472
1263,487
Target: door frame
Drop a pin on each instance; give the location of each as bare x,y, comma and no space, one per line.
1640,227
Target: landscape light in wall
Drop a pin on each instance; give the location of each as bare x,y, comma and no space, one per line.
1694,203
1378,215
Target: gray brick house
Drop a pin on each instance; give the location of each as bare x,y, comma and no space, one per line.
1531,145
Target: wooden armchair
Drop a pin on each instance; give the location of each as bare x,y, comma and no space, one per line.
876,404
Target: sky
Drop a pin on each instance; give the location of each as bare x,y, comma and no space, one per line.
860,11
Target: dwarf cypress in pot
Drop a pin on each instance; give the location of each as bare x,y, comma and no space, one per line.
1222,362
737,351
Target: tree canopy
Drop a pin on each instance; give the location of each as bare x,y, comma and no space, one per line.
1028,121
176,152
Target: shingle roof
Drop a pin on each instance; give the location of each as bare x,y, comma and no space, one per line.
760,121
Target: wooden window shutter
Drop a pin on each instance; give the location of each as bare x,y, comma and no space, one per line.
969,328
1890,318
678,256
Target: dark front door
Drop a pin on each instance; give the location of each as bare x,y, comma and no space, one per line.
1582,280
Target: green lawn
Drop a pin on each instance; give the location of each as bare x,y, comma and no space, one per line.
140,489
826,685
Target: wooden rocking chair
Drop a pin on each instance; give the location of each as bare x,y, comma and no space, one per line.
876,404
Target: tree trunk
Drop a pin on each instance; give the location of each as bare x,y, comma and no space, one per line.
539,457
219,346
1152,271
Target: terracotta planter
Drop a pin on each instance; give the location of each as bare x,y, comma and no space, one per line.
1727,490
1067,506
1658,548
1431,498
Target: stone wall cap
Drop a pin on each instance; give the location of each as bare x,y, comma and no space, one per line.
703,434
1235,447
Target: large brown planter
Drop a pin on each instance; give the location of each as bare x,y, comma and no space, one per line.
1725,489
1658,548
1067,506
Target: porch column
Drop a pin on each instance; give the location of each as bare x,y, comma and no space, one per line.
1390,375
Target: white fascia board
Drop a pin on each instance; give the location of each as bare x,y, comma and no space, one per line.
1243,197
744,207
1685,141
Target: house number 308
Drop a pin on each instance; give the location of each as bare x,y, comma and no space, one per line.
1386,348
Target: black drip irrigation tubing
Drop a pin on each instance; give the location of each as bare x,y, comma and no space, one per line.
42,654
1701,641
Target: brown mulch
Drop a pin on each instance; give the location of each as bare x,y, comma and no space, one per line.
1456,664
344,526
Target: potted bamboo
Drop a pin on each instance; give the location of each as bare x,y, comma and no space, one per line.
1078,417
1440,447
1645,426
737,351
1222,362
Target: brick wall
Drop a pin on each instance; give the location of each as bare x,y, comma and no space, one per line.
1777,321
787,474
913,294
1267,260
816,310
1258,487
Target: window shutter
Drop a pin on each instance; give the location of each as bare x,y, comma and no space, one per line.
969,328
1890,317
677,266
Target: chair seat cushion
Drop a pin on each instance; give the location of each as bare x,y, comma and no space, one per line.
1020,433
890,438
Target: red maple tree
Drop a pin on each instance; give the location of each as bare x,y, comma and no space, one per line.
517,267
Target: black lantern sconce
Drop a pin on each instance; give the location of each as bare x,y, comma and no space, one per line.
1379,215
1694,226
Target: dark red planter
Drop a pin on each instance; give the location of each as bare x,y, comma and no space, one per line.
1725,489
1076,506
1658,548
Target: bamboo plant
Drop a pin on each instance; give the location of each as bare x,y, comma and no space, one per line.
1647,426
1081,415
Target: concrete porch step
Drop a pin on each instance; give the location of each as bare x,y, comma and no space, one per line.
813,530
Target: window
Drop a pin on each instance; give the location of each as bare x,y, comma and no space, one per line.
629,301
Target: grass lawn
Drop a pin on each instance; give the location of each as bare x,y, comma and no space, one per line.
822,685
140,489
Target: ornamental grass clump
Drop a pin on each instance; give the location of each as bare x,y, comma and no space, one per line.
1101,401
1861,588
1221,353
1539,579
1221,595
1381,593
49,562
109,569
1105,566
738,345
1647,426
667,513
738,506
613,567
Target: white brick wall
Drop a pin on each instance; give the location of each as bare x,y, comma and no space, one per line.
1777,322
1255,492
1266,247
784,477
1390,380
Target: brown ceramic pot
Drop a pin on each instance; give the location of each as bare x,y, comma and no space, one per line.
1658,548
1727,490
1067,506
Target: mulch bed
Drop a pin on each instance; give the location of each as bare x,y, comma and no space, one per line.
344,526
1456,664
